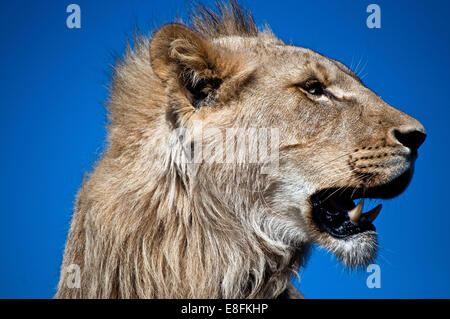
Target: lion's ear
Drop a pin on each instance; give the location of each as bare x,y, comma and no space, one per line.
176,48
181,55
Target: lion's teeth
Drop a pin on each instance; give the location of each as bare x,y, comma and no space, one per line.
372,214
355,213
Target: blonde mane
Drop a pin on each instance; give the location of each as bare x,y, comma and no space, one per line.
142,228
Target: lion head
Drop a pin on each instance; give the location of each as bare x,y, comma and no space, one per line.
168,213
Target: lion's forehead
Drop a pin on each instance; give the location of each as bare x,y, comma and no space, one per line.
283,59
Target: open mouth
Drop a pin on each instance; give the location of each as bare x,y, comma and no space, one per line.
339,216
335,212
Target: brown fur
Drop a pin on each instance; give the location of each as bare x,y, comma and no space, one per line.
147,225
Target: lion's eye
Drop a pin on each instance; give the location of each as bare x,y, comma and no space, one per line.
314,87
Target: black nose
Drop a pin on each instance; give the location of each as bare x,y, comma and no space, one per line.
411,138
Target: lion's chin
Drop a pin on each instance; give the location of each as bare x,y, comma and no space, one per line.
355,251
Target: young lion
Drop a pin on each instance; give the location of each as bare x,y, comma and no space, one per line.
152,222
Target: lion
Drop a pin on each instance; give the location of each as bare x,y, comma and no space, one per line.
150,222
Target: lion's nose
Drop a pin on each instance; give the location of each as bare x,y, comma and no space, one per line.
411,137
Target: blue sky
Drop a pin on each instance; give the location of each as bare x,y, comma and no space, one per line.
52,85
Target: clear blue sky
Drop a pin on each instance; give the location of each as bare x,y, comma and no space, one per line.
52,85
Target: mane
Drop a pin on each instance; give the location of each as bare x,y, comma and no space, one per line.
149,236
229,19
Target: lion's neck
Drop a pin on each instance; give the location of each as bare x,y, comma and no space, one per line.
203,249
172,240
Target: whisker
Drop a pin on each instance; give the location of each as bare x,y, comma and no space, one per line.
357,66
334,159
332,194
362,68
351,64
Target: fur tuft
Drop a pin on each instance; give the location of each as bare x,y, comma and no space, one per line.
230,19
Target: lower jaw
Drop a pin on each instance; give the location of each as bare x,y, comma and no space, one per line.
355,251
347,231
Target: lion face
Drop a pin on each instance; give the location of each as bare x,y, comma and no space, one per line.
338,142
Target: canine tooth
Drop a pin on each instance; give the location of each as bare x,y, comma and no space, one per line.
372,214
355,213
